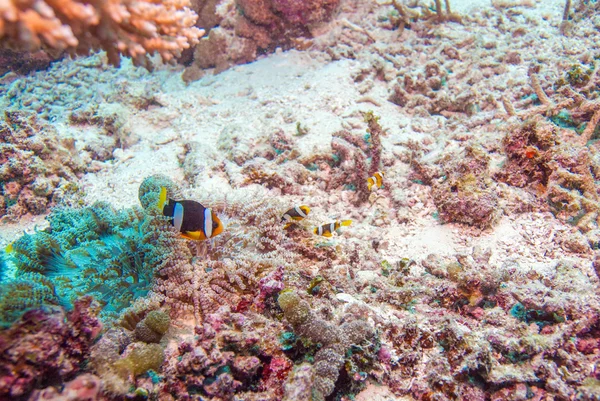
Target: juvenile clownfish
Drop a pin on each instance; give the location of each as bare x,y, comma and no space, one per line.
376,179
297,213
326,230
190,218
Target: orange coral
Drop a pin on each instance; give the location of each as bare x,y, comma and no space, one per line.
132,28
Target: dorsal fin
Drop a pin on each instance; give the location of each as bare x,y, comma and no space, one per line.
162,199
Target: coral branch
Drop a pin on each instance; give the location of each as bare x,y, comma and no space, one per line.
133,28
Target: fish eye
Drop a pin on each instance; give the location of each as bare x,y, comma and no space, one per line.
215,225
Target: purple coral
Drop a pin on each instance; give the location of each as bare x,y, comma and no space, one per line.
46,345
268,286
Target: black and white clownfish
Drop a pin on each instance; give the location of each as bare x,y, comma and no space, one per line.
326,230
190,218
297,213
376,179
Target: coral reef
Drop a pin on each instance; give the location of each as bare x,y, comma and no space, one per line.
472,273
38,167
232,353
334,341
131,28
463,191
248,28
44,346
83,91
501,335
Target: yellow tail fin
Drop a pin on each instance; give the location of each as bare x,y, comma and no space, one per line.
345,222
162,199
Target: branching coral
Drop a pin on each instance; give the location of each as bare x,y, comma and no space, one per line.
357,158
133,28
544,155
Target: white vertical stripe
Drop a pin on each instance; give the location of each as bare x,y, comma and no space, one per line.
320,230
178,216
331,227
207,223
300,212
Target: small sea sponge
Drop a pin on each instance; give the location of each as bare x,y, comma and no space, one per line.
150,190
153,327
158,321
296,310
140,360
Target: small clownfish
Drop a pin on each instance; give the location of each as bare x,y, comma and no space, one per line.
190,218
326,230
297,213
376,179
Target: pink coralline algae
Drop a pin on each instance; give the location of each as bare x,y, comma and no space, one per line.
269,286
46,345
84,387
462,189
302,12
250,27
230,356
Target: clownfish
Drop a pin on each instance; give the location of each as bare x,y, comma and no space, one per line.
297,213
376,179
326,230
190,218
